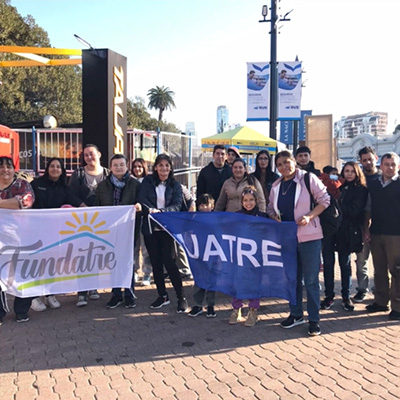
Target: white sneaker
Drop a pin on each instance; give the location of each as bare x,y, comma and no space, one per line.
52,302
82,301
146,280
38,305
94,295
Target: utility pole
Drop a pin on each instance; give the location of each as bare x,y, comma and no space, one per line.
273,106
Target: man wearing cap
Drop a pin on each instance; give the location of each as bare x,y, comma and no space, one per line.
212,177
303,160
233,154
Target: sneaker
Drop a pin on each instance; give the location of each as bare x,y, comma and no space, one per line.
211,312
236,316
114,302
1,321
347,305
291,322
359,297
327,303
146,280
314,329
38,305
374,307
94,295
161,301
52,302
22,317
252,317
195,311
136,277
394,315
182,305
82,301
130,302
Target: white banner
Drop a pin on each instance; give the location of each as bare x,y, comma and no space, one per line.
289,90
258,91
66,250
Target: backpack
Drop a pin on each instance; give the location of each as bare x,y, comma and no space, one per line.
331,217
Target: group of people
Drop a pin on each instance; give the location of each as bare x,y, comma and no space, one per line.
300,193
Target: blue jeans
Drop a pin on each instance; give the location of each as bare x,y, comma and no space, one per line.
328,254
308,263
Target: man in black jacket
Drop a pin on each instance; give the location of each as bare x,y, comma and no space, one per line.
212,177
303,160
384,234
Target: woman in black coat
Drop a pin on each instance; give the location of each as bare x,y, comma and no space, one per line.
349,238
160,192
51,191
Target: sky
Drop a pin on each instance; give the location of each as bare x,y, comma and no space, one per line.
199,49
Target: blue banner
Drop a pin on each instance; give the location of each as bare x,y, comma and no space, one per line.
243,256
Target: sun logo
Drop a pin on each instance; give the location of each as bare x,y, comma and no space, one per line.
84,226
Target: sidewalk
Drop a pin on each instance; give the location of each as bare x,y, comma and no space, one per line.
95,353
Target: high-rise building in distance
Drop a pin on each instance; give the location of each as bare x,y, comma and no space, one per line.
222,119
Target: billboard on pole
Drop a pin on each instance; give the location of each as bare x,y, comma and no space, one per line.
258,88
289,90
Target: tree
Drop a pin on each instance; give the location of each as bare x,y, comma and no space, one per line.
161,99
139,117
30,93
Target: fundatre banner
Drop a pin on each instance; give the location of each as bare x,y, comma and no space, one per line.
66,250
243,256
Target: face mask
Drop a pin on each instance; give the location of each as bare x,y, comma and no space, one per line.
333,177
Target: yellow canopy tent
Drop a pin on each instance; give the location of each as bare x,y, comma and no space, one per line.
247,140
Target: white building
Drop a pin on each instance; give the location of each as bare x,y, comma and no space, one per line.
373,123
347,149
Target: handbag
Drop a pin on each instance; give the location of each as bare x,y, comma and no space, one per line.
331,217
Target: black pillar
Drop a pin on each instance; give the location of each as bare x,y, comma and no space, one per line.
104,101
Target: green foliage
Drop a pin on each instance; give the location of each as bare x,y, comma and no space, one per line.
161,99
139,117
30,93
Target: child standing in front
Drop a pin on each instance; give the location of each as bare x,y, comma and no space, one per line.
249,207
205,203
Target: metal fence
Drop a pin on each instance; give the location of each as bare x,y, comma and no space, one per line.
38,146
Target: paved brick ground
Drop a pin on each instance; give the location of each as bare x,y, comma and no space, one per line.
95,353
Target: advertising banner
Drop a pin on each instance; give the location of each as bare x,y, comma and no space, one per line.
66,250
286,131
253,261
289,90
258,88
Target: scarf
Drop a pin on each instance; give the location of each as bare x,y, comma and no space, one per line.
119,186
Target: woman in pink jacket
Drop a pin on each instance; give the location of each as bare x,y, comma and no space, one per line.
290,201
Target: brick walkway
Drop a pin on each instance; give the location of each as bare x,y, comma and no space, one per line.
94,353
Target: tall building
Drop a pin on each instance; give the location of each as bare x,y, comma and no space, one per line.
222,119
373,123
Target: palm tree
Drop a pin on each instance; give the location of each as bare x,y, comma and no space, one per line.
161,99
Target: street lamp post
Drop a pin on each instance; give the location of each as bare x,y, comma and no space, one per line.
273,108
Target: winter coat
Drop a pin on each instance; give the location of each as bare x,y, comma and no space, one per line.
302,203
230,197
50,194
349,238
210,180
79,186
105,193
148,199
